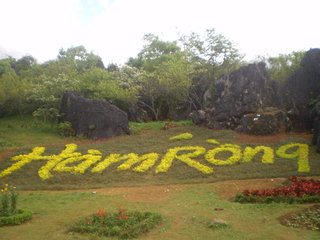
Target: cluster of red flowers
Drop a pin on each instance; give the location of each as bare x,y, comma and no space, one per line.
298,188
122,214
103,217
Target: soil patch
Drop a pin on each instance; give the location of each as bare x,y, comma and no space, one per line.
244,138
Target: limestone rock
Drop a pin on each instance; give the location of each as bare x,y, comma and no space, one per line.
95,119
301,89
245,91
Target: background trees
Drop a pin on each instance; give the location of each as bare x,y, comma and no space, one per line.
164,76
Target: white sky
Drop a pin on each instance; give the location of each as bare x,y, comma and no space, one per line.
113,29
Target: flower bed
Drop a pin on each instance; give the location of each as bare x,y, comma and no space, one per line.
70,161
121,224
299,191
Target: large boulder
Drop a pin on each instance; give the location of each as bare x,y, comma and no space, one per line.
247,90
95,119
302,90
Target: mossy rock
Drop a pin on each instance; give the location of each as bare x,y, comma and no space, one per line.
267,123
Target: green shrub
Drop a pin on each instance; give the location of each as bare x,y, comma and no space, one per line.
21,216
65,129
8,198
119,224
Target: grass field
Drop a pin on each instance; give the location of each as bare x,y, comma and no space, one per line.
187,209
188,213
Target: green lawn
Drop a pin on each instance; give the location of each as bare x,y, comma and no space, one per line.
187,214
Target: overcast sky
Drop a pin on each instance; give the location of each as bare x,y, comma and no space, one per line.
113,29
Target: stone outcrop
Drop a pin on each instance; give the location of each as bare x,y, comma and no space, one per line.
315,113
302,89
95,119
267,123
245,91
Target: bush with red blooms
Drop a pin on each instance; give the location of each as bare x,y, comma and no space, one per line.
299,191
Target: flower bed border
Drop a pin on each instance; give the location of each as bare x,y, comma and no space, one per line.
23,216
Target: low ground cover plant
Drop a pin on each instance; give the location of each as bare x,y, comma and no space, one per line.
299,191
307,219
122,224
9,214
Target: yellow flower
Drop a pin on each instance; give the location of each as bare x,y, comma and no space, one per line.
236,155
268,154
172,154
301,153
212,141
182,136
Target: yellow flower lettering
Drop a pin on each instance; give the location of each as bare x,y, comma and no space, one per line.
301,153
267,157
236,155
23,160
172,154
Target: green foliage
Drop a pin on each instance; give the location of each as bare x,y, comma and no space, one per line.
101,84
284,65
80,59
121,224
13,91
213,53
9,198
46,94
22,216
65,129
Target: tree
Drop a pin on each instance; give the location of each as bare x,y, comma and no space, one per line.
24,64
212,56
282,66
101,84
80,59
46,94
214,52
13,92
164,78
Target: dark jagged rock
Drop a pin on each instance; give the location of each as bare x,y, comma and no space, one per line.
316,126
95,119
199,118
245,91
302,89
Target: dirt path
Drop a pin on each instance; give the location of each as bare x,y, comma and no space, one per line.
224,189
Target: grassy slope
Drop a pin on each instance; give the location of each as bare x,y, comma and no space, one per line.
187,212
152,141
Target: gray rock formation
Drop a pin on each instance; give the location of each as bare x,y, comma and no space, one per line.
316,126
95,119
302,89
245,91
